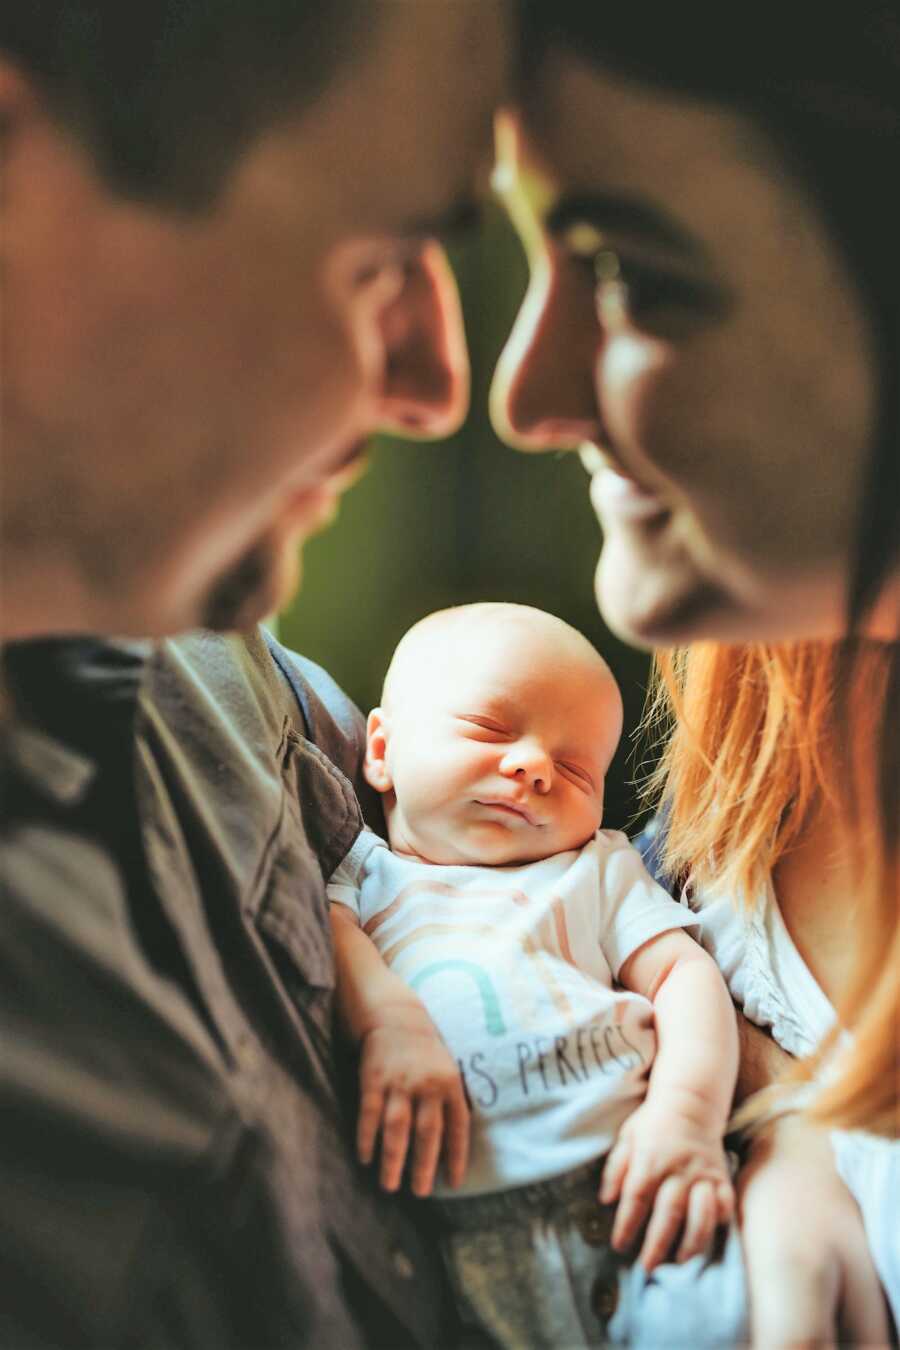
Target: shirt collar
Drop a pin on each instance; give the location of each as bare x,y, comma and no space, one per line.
54,770
73,703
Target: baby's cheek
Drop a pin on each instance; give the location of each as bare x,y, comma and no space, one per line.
449,777
587,817
472,760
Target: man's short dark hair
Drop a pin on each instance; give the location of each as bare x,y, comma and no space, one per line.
165,93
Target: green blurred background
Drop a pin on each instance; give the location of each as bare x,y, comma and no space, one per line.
461,520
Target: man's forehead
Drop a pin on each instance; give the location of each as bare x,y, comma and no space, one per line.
407,123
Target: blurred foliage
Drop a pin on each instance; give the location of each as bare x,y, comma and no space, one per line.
466,519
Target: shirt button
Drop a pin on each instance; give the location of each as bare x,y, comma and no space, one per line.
605,1297
595,1226
403,1266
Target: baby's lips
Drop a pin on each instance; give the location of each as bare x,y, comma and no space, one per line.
513,807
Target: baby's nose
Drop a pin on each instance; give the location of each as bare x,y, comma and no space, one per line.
529,763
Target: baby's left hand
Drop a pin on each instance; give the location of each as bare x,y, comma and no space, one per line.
670,1167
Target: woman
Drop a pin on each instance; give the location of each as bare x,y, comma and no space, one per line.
713,321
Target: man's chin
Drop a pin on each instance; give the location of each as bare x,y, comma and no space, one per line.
256,586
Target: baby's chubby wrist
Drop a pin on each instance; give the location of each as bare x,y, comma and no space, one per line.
396,1015
687,1105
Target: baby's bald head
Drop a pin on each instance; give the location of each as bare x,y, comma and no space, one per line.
449,641
495,732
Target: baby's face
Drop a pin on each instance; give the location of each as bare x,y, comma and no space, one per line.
496,751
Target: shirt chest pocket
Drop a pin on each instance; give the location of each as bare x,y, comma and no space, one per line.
319,820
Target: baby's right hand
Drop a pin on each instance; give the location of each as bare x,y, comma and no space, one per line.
410,1084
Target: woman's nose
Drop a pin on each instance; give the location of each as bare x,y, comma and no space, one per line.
527,762
543,395
425,377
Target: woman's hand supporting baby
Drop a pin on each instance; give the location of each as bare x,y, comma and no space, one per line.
668,1167
811,1277
411,1090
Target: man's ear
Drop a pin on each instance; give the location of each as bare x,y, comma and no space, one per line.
375,769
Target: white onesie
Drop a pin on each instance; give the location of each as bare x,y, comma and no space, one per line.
516,965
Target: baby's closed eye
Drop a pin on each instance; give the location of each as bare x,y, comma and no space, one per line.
577,775
484,728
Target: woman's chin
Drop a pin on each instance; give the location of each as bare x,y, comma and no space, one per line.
657,606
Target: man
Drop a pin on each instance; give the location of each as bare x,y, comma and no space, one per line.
215,284
217,281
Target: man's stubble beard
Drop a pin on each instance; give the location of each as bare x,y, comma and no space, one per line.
256,585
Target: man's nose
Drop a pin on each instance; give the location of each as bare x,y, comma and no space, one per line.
528,762
425,382
543,395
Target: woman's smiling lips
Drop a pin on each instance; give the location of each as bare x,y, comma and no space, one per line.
615,495
512,809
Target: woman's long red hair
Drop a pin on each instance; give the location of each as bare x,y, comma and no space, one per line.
757,737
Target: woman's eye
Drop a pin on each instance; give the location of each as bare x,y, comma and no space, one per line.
640,292
629,291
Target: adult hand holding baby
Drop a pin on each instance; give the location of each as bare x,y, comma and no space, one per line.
802,1290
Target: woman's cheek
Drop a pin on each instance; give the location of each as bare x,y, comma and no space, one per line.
642,404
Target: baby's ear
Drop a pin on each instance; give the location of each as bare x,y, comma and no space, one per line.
375,769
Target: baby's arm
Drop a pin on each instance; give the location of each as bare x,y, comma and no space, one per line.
668,1161
409,1082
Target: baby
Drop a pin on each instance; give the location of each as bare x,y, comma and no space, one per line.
509,965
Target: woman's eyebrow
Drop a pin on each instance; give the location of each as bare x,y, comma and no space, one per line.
632,215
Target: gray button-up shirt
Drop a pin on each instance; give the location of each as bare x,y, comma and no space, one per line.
176,1166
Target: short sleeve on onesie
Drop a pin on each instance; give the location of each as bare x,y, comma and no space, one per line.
634,908
516,966
345,883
